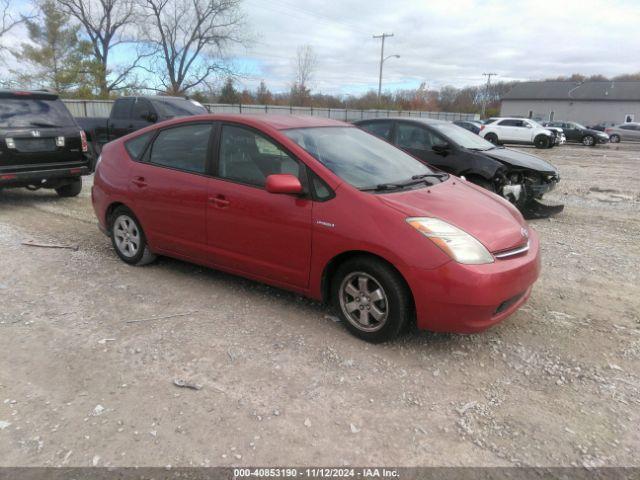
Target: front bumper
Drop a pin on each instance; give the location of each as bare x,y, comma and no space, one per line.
457,298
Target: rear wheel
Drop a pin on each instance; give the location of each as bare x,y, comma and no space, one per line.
588,141
541,141
491,137
128,238
72,189
372,299
615,138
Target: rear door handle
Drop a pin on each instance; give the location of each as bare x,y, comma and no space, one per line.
219,201
139,182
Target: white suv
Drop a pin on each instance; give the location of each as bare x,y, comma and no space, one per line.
522,131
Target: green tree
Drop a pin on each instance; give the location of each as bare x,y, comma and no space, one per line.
229,94
56,57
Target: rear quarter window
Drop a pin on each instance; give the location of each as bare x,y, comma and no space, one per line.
136,146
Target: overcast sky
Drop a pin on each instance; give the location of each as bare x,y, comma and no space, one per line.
441,42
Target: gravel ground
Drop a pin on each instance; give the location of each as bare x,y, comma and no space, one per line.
90,348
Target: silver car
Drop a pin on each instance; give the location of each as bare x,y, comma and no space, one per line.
626,131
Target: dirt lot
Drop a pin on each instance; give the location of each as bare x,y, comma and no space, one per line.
86,372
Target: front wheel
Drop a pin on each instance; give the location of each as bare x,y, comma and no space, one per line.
541,141
128,238
491,137
588,141
372,299
614,138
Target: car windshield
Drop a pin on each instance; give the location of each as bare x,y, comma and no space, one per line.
462,137
34,112
534,123
179,107
579,126
359,158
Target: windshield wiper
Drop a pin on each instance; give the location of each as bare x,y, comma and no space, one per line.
429,175
44,124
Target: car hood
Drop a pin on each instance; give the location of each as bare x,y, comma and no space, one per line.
591,131
492,220
516,158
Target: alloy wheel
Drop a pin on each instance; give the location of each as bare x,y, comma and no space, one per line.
363,301
127,236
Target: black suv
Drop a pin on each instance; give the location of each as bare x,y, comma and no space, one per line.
41,145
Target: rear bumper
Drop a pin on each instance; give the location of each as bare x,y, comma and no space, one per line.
459,298
44,178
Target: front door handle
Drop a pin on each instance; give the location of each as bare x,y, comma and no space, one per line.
219,201
139,182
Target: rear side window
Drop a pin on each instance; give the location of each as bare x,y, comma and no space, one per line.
248,157
183,148
379,129
122,108
135,147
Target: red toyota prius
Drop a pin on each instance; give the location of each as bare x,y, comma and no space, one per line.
322,208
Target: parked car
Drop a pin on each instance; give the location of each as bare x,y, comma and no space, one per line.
559,137
41,145
519,177
626,131
322,208
471,125
129,114
521,131
579,133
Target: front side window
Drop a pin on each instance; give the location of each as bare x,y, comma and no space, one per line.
183,148
379,129
360,159
416,137
249,157
141,109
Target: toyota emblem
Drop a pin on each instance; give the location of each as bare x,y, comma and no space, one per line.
524,232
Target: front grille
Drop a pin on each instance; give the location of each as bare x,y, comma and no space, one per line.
512,251
30,145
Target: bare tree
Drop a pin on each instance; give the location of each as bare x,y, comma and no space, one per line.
105,22
191,36
8,21
304,66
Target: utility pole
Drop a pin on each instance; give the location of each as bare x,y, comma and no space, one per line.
486,93
382,59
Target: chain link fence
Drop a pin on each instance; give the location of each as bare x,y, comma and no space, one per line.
102,108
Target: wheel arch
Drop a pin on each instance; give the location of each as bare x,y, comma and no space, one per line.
113,206
334,263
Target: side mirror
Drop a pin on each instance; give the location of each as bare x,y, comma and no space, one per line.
283,183
149,116
528,125
441,148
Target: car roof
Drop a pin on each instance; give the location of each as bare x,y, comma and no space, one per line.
40,94
426,121
277,122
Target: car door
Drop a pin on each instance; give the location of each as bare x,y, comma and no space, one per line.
120,118
249,230
142,114
169,189
572,132
507,130
418,141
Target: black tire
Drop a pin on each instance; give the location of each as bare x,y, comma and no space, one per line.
589,141
541,141
72,189
492,137
615,138
139,256
481,182
396,305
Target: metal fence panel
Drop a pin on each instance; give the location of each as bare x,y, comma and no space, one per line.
102,108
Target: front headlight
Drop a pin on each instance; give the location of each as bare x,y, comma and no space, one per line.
458,244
